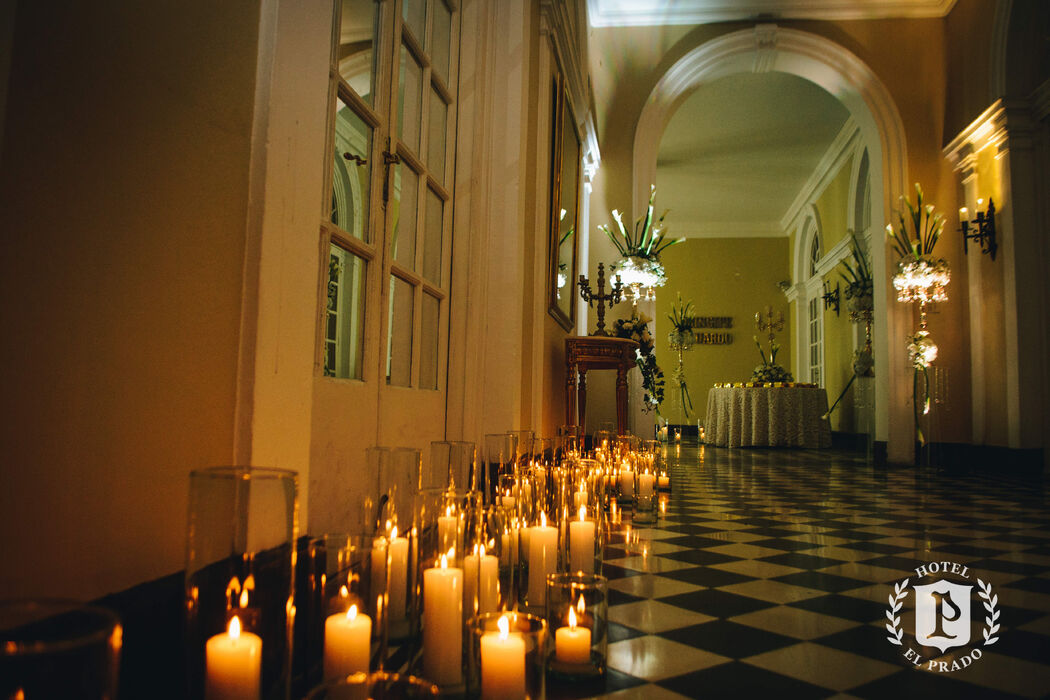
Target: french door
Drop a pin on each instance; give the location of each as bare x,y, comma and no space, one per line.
386,228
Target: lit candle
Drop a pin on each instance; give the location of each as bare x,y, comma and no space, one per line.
233,661
646,481
964,214
480,579
572,644
378,575
509,545
503,664
664,481
581,543
346,643
448,532
443,623
580,497
398,575
508,501
626,483
543,558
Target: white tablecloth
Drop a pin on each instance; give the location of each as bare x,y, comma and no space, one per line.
767,416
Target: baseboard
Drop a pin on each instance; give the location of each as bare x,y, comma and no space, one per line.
855,442
985,458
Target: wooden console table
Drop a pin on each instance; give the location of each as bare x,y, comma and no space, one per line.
596,352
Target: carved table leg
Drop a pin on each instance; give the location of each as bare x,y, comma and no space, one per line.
583,400
570,393
621,399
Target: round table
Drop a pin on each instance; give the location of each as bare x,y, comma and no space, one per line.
767,416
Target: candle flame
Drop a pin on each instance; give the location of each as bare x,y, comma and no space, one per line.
482,551
583,513
448,511
235,627
572,619
452,553
244,598
388,524
581,606
393,533
344,592
504,627
351,614
444,561
543,519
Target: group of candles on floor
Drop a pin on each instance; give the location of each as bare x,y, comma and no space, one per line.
510,530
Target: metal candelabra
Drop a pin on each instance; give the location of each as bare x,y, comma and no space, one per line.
615,296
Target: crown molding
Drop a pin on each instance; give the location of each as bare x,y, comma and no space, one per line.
642,13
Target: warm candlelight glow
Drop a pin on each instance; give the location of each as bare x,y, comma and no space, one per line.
235,628
572,619
543,519
581,606
393,533
504,627
481,550
583,513
244,598
444,561
351,614
343,592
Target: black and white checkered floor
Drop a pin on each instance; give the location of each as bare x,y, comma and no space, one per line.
770,572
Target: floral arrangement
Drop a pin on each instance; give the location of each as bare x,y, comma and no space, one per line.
769,370
640,249
637,329
681,339
920,277
856,273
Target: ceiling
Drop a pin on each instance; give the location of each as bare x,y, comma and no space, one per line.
739,150
625,13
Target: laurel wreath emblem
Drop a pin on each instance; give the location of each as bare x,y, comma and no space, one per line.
900,592
992,619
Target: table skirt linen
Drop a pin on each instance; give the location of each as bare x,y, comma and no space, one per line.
768,417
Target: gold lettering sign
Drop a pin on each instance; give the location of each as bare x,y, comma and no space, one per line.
712,322
713,338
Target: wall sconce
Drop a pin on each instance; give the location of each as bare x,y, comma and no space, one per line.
985,233
831,298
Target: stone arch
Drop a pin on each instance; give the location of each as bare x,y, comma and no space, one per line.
767,47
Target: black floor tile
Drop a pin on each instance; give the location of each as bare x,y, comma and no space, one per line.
729,638
707,577
738,680
716,603
848,608
822,582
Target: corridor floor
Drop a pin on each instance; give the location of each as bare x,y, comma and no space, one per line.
770,572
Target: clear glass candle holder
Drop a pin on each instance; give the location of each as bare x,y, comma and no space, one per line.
58,649
342,635
507,655
379,685
578,617
584,541
239,583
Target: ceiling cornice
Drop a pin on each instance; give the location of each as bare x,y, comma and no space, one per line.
640,13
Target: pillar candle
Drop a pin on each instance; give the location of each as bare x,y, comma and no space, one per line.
502,664
398,579
509,546
664,481
543,559
581,543
646,482
378,574
448,532
481,579
443,624
572,644
626,483
233,663
347,643
579,498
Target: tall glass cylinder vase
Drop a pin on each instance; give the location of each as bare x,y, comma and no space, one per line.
577,613
58,649
342,634
453,464
239,585
499,457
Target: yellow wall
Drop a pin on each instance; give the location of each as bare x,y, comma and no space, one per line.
124,192
722,277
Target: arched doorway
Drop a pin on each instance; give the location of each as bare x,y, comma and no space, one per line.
768,47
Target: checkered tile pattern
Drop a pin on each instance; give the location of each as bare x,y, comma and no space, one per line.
769,573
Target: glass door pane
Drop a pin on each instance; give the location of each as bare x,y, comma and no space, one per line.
355,53
351,171
399,339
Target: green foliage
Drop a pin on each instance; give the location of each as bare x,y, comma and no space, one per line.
681,315
918,239
637,329
647,240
